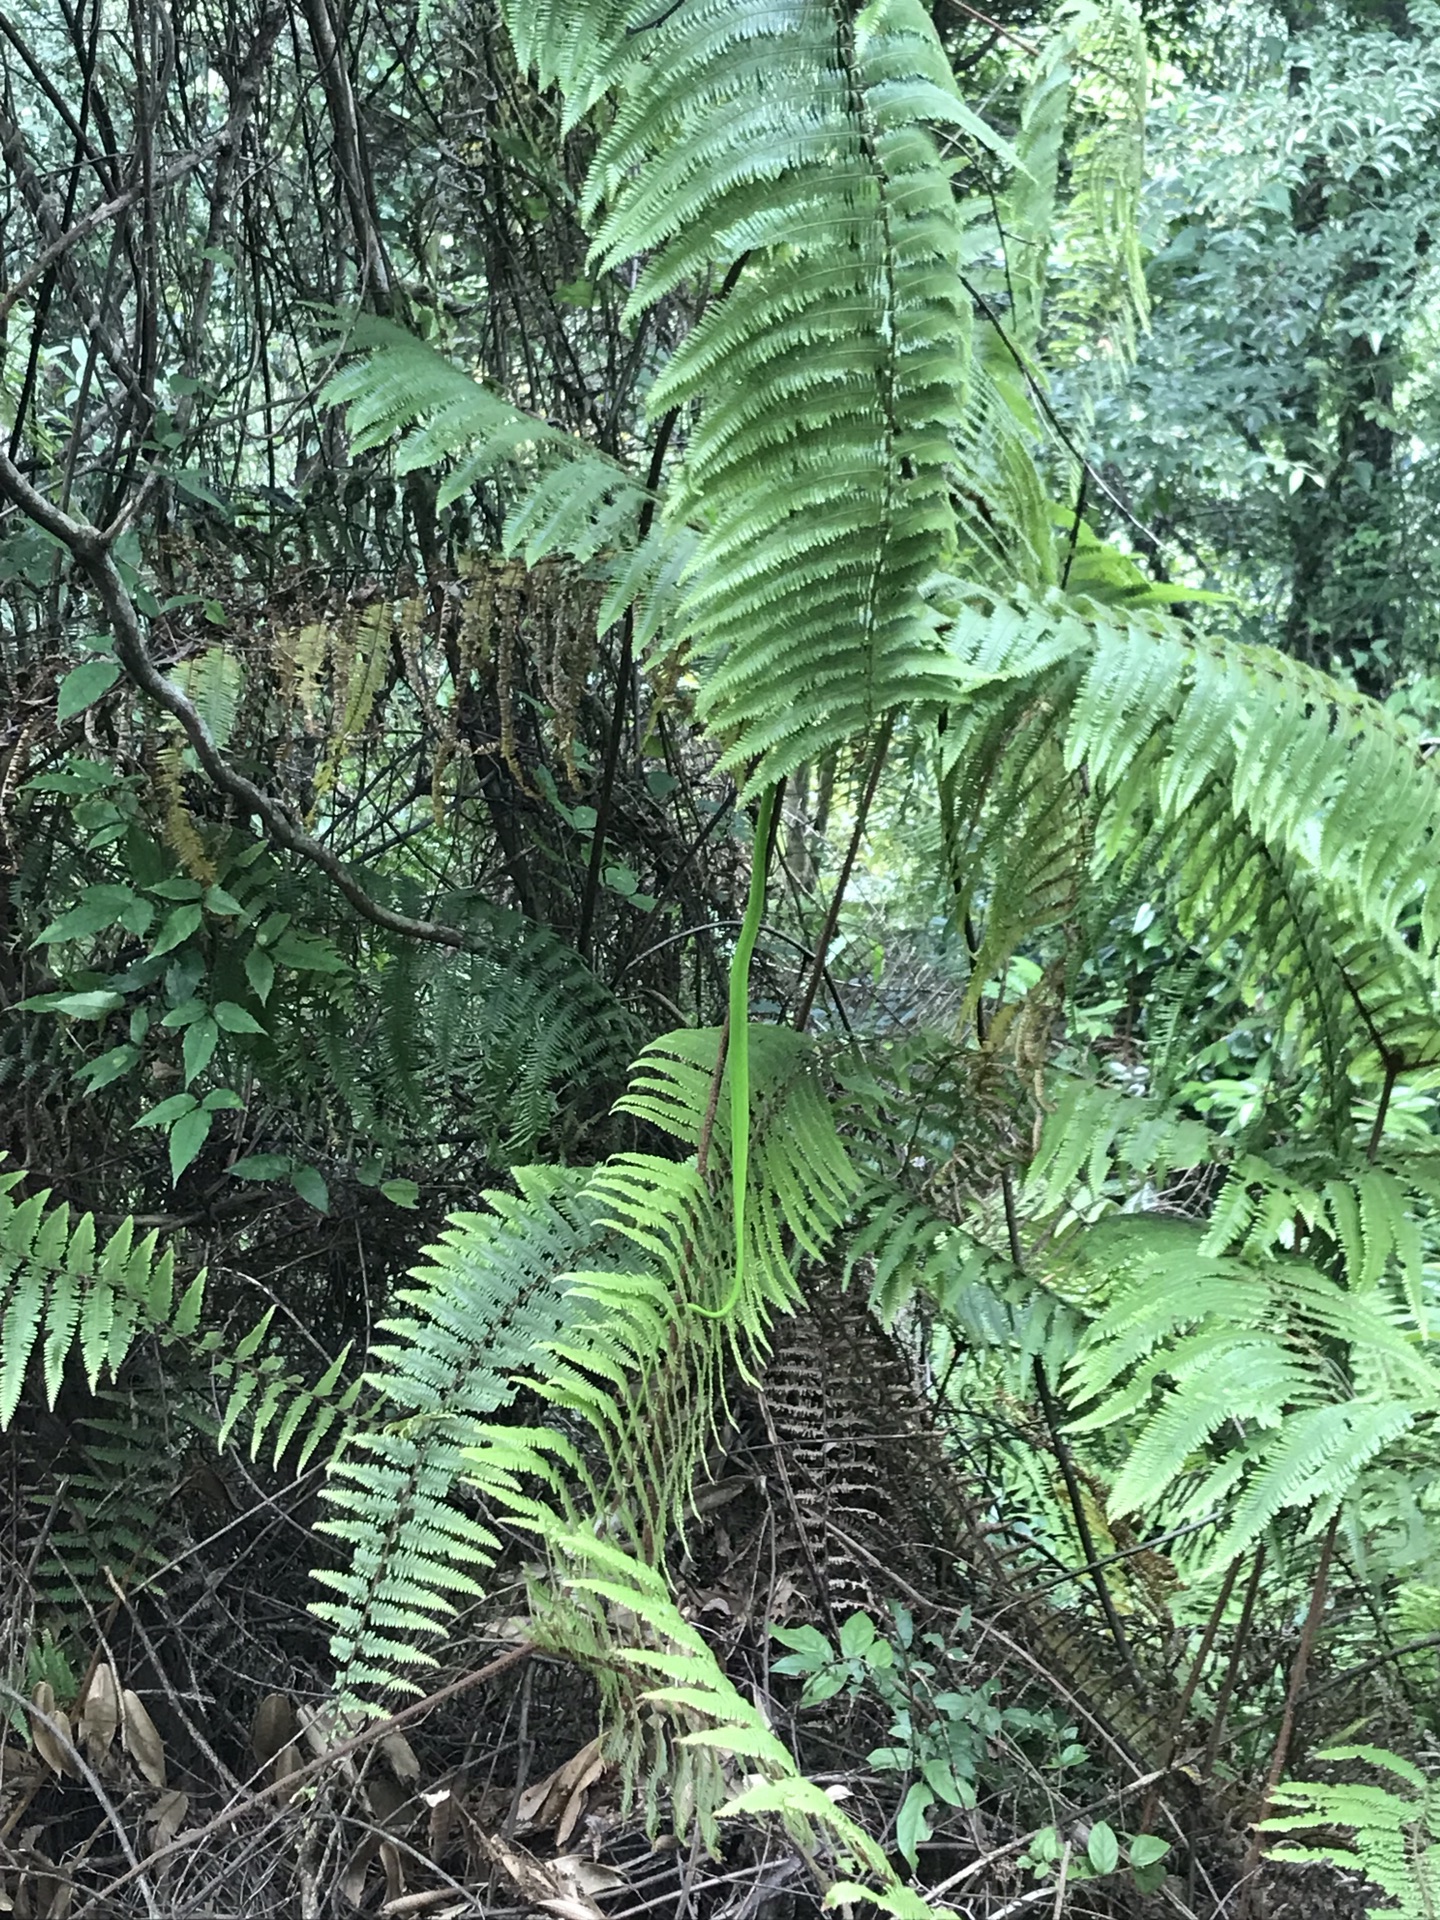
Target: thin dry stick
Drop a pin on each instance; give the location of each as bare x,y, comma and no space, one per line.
92,1780
240,1805
90,549
1062,1882
1306,1647
1242,1634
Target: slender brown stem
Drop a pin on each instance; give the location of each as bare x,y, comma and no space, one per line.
1232,1669
1392,1073
1182,1706
623,675
1308,1634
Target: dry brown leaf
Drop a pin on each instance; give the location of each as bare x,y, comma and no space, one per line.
401,1755
558,1796
60,1901
442,1807
57,1754
352,1883
100,1714
168,1815
394,1871
142,1739
562,1887
273,1726
523,1868
579,1874
575,1805
286,1762
317,1729
386,1797
571,1906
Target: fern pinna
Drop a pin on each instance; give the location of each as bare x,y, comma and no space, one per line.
65,1294
61,1290
1396,1834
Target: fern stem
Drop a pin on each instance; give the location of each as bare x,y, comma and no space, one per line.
1054,1421
738,1051
832,912
1187,1693
1237,1648
1298,1666
1392,1074
1051,1410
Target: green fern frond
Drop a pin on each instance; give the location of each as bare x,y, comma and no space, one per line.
60,1292
1396,1834
490,1299
1094,69
579,1287
709,1720
571,500
1307,838
829,375
1311,1381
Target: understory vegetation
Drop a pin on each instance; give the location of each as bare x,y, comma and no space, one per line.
719,962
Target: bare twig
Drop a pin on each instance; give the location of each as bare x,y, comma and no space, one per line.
245,1803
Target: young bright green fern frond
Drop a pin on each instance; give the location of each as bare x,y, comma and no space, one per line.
710,1725
1310,1382
801,1180
1397,1834
492,1297
60,1291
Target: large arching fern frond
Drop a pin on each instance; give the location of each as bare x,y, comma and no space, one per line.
1094,69
829,375
1260,1389
1295,815
581,1287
